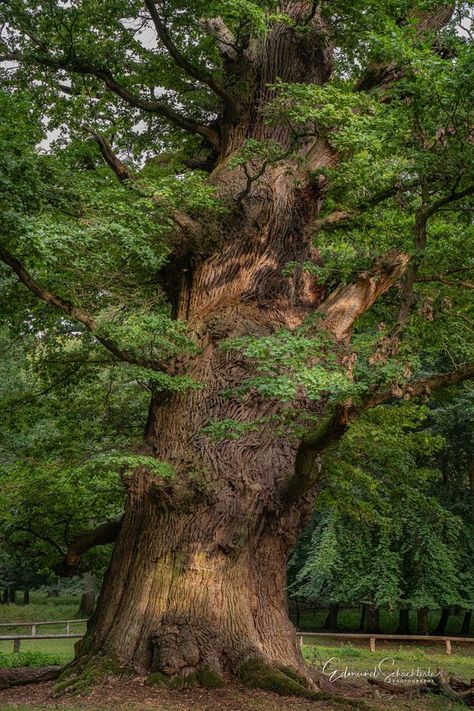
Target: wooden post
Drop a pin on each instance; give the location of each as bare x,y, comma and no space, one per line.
448,646
16,645
68,628
33,630
372,644
300,639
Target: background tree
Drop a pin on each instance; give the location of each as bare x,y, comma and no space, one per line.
210,274
385,538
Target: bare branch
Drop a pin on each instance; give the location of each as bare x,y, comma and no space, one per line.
113,161
74,312
188,226
338,216
226,41
347,303
443,280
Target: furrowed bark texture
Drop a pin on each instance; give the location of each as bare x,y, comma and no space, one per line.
198,573
197,578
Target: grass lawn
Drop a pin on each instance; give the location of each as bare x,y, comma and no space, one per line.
405,658
42,608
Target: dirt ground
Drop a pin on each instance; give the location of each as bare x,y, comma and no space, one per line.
133,695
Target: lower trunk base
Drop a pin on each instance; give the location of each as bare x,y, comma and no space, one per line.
80,678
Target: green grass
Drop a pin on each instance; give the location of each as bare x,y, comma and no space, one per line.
406,657
42,608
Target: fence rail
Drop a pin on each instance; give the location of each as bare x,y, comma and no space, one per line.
448,641
16,638
372,638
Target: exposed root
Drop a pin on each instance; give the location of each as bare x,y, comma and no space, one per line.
27,675
204,677
256,674
80,677
443,684
454,688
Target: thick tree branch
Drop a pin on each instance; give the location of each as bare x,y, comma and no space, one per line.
226,41
100,536
77,65
313,445
112,160
347,303
390,344
199,73
41,537
74,312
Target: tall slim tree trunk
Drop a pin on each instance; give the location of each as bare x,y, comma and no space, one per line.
297,611
466,623
363,615
422,616
403,621
331,619
443,621
87,603
373,619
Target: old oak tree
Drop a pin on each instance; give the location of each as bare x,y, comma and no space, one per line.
263,211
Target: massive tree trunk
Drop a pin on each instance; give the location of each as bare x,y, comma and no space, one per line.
197,579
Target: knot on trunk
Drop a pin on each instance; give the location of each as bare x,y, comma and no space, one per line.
184,646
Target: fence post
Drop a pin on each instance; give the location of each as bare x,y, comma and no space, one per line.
68,628
372,644
448,646
16,645
33,630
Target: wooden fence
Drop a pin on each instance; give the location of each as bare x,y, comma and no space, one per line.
17,638
372,638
